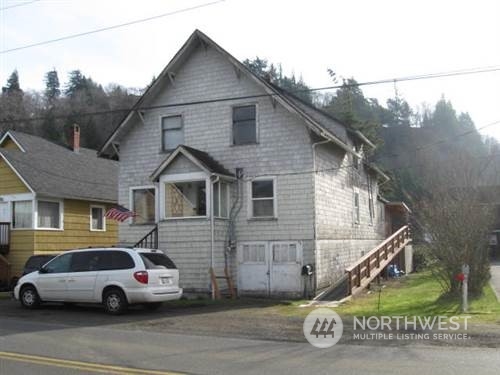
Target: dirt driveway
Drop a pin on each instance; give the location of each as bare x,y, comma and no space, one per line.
244,318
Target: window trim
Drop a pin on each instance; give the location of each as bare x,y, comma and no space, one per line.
257,133
131,203
185,177
162,146
103,218
251,199
61,214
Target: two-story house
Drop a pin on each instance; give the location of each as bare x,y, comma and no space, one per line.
233,171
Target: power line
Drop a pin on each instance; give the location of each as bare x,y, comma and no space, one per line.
142,20
216,100
19,5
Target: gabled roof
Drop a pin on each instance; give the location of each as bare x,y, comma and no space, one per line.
200,158
316,121
55,171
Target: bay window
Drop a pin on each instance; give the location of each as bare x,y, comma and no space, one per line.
221,199
185,199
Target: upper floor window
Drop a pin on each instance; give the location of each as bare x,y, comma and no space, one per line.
244,125
263,198
172,132
143,204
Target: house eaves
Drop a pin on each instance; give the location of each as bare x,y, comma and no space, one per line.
205,41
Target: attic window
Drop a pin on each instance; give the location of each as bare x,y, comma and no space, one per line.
244,125
172,132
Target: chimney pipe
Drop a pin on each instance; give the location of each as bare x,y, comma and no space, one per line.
75,139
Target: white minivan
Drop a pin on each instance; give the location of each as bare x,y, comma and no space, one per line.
115,277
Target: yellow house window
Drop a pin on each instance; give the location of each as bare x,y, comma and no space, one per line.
22,214
97,220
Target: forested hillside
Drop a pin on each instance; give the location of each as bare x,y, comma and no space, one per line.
408,139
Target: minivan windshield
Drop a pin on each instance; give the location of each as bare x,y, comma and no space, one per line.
153,260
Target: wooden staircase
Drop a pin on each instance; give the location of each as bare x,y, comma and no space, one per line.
362,273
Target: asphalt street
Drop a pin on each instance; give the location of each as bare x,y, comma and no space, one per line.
31,347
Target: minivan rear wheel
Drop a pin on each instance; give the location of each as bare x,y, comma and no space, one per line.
115,302
29,297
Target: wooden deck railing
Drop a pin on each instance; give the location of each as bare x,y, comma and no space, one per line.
150,240
4,238
360,274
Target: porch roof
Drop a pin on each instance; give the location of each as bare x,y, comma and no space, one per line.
200,158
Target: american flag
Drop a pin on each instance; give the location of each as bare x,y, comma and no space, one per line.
119,213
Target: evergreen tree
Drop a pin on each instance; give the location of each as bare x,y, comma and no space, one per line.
13,87
52,86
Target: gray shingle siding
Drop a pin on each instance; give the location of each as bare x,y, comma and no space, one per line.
283,146
339,239
305,203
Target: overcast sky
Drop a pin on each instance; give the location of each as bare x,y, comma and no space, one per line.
367,40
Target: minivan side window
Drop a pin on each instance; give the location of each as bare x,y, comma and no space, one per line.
85,261
60,264
115,260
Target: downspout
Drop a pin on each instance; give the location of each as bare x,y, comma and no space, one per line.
315,229
212,227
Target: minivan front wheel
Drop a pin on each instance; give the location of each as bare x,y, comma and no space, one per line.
115,302
29,297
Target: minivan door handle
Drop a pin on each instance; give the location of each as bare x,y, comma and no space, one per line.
71,280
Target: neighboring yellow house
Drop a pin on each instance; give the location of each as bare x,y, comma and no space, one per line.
52,198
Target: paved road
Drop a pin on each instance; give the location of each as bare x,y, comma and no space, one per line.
130,349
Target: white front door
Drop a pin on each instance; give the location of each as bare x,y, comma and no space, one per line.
4,212
269,267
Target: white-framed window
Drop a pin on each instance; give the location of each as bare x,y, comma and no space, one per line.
184,195
172,132
22,214
221,199
263,198
49,214
143,203
244,128
356,207
97,219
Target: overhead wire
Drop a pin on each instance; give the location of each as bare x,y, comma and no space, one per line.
101,29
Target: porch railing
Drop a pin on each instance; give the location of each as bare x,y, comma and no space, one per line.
361,273
150,240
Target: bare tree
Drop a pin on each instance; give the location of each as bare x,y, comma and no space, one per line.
455,219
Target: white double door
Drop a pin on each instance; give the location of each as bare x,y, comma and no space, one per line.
269,267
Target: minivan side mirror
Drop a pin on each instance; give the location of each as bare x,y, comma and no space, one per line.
43,270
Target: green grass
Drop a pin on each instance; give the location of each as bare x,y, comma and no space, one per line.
420,295
417,294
